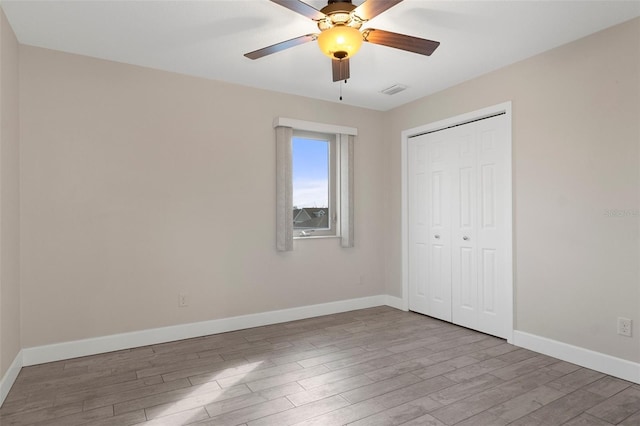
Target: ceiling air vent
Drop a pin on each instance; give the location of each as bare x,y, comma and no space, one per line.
396,88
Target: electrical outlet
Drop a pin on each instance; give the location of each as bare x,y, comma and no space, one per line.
183,302
624,326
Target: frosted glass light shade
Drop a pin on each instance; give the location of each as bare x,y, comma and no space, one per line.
340,42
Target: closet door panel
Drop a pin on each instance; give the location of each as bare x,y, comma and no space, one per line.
492,226
439,199
418,217
429,221
464,202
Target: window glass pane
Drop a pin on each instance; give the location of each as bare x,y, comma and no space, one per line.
310,183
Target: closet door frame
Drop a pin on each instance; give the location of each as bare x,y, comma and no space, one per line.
503,108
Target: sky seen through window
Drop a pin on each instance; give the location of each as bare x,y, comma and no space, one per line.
310,172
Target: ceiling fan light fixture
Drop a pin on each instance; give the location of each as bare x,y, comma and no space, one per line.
340,42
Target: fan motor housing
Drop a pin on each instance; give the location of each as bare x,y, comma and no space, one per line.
339,13
339,1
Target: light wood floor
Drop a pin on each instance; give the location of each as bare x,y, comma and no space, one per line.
377,366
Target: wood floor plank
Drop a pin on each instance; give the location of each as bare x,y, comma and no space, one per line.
528,421
225,370
471,371
126,419
329,389
426,420
296,354
400,414
569,406
24,406
218,408
483,419
102,389
376,366
301,413
378,388
500,348
42,415
294,376
523,367
526,403
358,359
189,368
632,420
608,386
284,389
171,396
189,400
332,356
575,380
587,420
178,419
326,378
466,389
397,369
115,398
369,407
256,374
249,413
444,367
81,418
618,407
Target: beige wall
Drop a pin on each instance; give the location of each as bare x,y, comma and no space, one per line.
139,184
9,199
576,140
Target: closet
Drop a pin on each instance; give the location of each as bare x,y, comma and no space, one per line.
459,224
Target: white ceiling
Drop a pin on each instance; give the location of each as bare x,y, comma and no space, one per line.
208,39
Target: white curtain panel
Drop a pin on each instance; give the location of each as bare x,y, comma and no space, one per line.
284,189
346,190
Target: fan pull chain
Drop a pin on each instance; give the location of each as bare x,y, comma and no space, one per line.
345,82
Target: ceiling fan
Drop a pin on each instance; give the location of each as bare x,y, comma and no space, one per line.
341,34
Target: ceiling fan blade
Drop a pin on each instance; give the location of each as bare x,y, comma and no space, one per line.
280,46
301,8
340,69
400,41
372,8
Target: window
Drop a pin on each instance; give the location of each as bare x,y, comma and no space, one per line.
314,181
314,184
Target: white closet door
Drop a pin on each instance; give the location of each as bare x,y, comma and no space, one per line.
430,218
417,187
418,239
462,142
494,263
458,208
439,226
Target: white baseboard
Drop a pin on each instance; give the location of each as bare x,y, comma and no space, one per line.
10,377
395,302
92,346
607,364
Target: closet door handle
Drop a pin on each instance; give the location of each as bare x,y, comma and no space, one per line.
465,238
437,237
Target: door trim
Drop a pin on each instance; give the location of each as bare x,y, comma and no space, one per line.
503,108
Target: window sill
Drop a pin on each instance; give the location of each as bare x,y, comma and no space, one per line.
316,237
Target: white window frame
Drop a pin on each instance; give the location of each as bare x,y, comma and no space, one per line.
344,151
334,196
